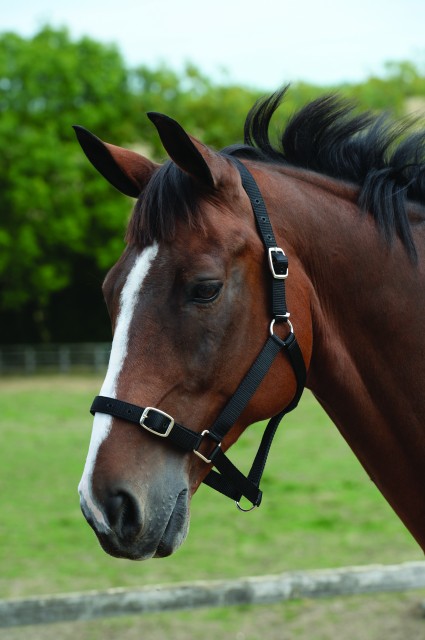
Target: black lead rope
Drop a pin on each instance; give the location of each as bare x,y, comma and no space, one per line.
230,481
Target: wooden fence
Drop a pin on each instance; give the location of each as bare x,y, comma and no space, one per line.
220,593
54,358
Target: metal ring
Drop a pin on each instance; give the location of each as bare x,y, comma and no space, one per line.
254,506
288,322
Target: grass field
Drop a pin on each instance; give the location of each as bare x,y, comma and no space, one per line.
319,510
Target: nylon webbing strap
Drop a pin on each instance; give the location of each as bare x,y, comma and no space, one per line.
294,354
278,258
246,389
228,481
150,419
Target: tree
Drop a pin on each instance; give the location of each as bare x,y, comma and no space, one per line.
53,209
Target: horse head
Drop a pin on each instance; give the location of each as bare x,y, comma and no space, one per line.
189,302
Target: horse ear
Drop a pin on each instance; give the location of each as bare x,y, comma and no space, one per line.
189,154
126,170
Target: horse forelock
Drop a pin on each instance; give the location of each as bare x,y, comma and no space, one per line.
170,196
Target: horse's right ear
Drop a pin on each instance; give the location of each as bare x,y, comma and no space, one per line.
126,170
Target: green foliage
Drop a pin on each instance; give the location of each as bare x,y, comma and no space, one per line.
401,81
61,226
52,207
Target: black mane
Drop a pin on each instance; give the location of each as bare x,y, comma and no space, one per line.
325,136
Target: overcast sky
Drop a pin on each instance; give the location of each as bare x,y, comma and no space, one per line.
263,43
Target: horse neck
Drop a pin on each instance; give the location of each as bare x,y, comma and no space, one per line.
367,367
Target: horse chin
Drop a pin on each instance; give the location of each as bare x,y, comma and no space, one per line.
158,541
177,528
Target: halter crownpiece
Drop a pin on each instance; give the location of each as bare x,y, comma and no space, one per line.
230,481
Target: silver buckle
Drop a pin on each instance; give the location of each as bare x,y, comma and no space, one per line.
213,452
145,414
278,276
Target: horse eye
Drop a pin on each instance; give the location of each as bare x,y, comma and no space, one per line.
206,291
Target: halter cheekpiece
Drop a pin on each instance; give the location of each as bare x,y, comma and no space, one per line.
230,481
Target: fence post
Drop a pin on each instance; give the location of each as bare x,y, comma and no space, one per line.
30,360
100,361
64,359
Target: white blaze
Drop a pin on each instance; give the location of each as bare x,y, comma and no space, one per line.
102,422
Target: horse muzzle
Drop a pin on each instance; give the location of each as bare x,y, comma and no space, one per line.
136,530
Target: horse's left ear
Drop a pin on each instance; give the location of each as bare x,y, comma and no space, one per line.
126,170
189,154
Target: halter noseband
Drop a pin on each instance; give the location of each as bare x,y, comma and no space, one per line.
230,481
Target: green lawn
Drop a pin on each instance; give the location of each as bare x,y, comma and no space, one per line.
319,507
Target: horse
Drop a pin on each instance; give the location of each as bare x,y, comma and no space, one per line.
249,273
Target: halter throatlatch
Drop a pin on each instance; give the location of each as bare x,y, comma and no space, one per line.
230,481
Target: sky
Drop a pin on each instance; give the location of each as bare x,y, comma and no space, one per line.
261,43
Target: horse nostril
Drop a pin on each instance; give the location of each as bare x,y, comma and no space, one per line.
114,507
123,514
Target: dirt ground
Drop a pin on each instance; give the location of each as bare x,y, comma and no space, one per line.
381,617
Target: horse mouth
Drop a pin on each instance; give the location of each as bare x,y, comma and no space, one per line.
176,529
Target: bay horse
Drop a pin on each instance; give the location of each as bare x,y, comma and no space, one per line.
248,273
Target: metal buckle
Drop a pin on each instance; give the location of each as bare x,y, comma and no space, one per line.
278,276
214,451
145,414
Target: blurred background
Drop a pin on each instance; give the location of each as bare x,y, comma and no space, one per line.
104,65
63,63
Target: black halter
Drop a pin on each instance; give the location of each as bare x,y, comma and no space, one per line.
230,481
